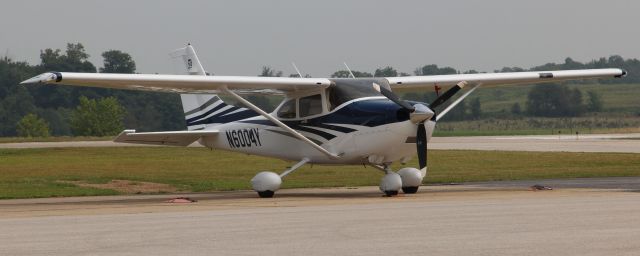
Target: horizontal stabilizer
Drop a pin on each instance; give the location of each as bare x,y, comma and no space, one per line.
171,138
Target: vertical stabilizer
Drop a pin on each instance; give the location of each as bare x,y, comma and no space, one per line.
204,110
191,61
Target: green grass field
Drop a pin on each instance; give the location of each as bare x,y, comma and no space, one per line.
28,173
618,99
52,139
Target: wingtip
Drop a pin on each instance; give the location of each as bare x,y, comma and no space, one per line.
622,74
33,80
43,78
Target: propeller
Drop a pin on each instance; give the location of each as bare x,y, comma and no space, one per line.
393,97
448,94
420,113
421,145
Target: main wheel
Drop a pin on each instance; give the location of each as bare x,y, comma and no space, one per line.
391,192
266,194
266,183
410,190
411,179
391,184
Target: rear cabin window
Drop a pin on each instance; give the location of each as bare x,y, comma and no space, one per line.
288,109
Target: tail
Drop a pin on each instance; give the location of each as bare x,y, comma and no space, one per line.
203,110
191,61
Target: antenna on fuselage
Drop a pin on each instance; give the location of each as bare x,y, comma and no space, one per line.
296,68
348,69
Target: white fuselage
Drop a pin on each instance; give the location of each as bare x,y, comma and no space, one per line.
361,144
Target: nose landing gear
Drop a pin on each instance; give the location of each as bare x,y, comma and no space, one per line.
407,179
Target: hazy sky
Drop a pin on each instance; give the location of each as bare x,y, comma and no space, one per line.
239,37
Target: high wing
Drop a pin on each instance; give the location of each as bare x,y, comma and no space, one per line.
498,79
172,138
280,85
182,83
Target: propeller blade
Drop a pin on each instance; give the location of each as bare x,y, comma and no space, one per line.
393,97
421,145
448,94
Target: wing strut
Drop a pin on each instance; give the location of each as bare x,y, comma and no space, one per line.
446,110
296,68
348,69
281,124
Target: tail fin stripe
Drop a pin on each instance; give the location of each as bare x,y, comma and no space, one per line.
226,111
220,106
204,106
235,111
225,119
214,107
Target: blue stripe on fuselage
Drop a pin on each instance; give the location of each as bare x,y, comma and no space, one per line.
369,113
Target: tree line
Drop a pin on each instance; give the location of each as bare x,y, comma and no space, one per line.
40,110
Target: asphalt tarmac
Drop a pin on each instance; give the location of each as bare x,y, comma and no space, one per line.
620,143
577,217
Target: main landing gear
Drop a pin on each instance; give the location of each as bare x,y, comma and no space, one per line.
267,183
407,179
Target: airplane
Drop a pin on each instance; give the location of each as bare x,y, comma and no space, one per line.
330,121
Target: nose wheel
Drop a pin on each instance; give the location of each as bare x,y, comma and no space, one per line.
407,179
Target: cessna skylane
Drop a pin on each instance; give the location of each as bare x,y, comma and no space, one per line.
332,121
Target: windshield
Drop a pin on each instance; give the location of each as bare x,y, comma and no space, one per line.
345,90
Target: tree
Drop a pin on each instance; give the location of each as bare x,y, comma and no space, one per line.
118,62
426,97
269,72
75,59
15,101
298,75
12,108
457,113
346,74
594,103
515,109
32,126
509,69
386,72
554,100
101,117
476,109
434,70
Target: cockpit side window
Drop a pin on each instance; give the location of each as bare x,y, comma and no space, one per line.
310,105
288,109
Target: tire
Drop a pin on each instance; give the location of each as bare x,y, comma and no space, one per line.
409,190
391,192
266,194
